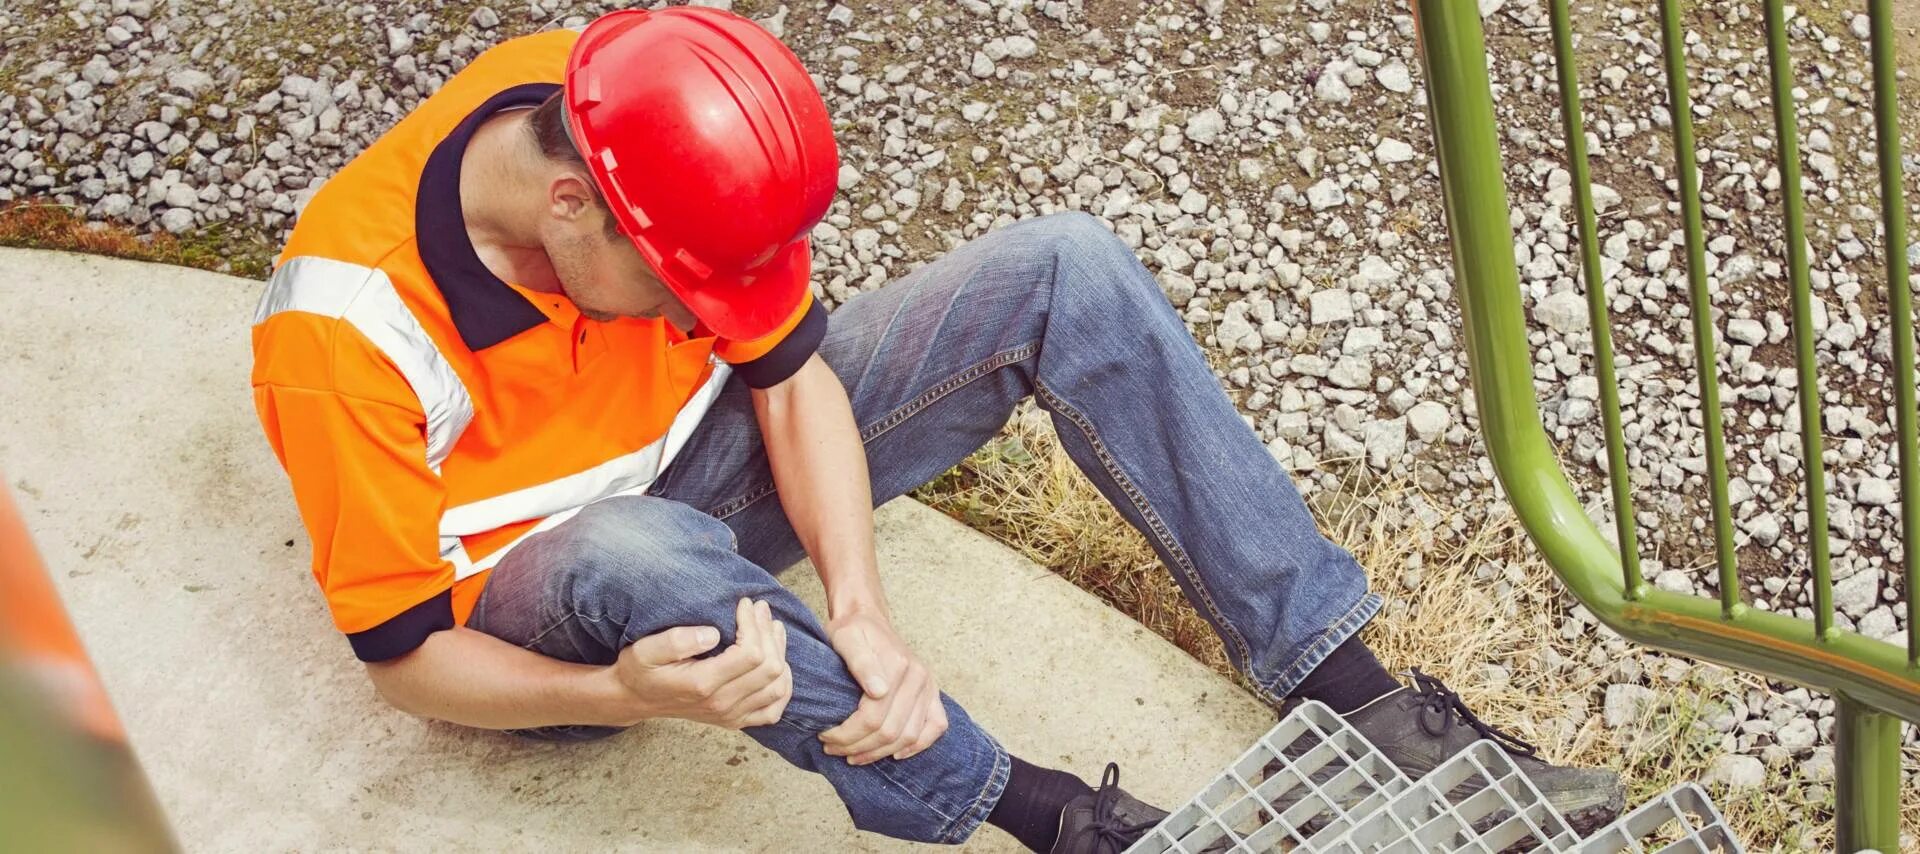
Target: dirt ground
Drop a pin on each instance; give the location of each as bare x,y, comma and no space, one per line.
1908,13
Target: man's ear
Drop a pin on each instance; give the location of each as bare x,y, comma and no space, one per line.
570,196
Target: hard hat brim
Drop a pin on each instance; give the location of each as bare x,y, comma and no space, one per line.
753,305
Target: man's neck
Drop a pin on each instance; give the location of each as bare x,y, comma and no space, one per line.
497,198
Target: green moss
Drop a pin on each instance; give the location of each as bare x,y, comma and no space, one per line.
224,248
220,247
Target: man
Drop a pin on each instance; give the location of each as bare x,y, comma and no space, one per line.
555,399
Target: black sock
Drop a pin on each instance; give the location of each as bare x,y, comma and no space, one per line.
1031,804
1349,678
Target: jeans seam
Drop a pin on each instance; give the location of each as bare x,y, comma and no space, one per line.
576,615
959,828
946,820
946,387
952,825
542,634
799,724
1158,526
902,413
743,502
1322,645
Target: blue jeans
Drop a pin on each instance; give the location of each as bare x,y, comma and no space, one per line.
1056,308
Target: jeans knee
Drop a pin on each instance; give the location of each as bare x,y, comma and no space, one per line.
641,549
641,525
1097,276
1080,237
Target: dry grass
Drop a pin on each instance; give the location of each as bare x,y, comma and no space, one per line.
1022,489
47,225
1484,614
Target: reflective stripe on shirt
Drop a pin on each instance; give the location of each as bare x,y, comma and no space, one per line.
364,297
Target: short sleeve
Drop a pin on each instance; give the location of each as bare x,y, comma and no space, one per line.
372,508
770,359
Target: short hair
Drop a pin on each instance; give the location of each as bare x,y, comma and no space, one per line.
549,126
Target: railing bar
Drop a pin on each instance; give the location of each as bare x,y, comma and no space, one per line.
1886,118
1453,55
1786,128
1681,107
1866,785
1574,127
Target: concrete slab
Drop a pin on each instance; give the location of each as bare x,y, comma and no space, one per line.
128,437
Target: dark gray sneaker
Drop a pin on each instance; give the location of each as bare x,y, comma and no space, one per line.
1105,822
1418,727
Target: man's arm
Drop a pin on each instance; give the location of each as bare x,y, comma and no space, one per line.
472,678
820,469
475,679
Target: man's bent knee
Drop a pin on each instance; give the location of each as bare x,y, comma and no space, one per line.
619,569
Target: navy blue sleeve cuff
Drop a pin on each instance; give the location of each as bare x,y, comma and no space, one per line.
787,356
406,631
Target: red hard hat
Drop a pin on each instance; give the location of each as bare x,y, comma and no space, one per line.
715,152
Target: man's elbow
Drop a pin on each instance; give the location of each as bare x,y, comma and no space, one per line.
393,681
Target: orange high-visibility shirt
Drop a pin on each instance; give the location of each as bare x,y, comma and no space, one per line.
430,415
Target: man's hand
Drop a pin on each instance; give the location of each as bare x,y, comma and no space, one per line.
820,470
748,685
900,714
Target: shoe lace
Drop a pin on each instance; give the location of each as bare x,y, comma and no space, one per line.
1438,702
1106,826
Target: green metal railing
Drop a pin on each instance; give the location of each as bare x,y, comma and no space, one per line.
1874,683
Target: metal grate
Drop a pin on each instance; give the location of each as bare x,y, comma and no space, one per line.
1302,784
1684,817
1477,801
1313,784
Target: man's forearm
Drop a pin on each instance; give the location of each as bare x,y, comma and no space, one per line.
820,469
467,677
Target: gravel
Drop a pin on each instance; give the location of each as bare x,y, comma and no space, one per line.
1626,704
1391,150
1856,593
1205,126
1326,193
1394,77
1877,492
1737,772
1564,312
1429,420
1330,306
1332,88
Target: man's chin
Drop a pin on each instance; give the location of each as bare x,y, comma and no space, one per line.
598,316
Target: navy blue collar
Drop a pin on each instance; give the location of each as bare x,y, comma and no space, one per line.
485,310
